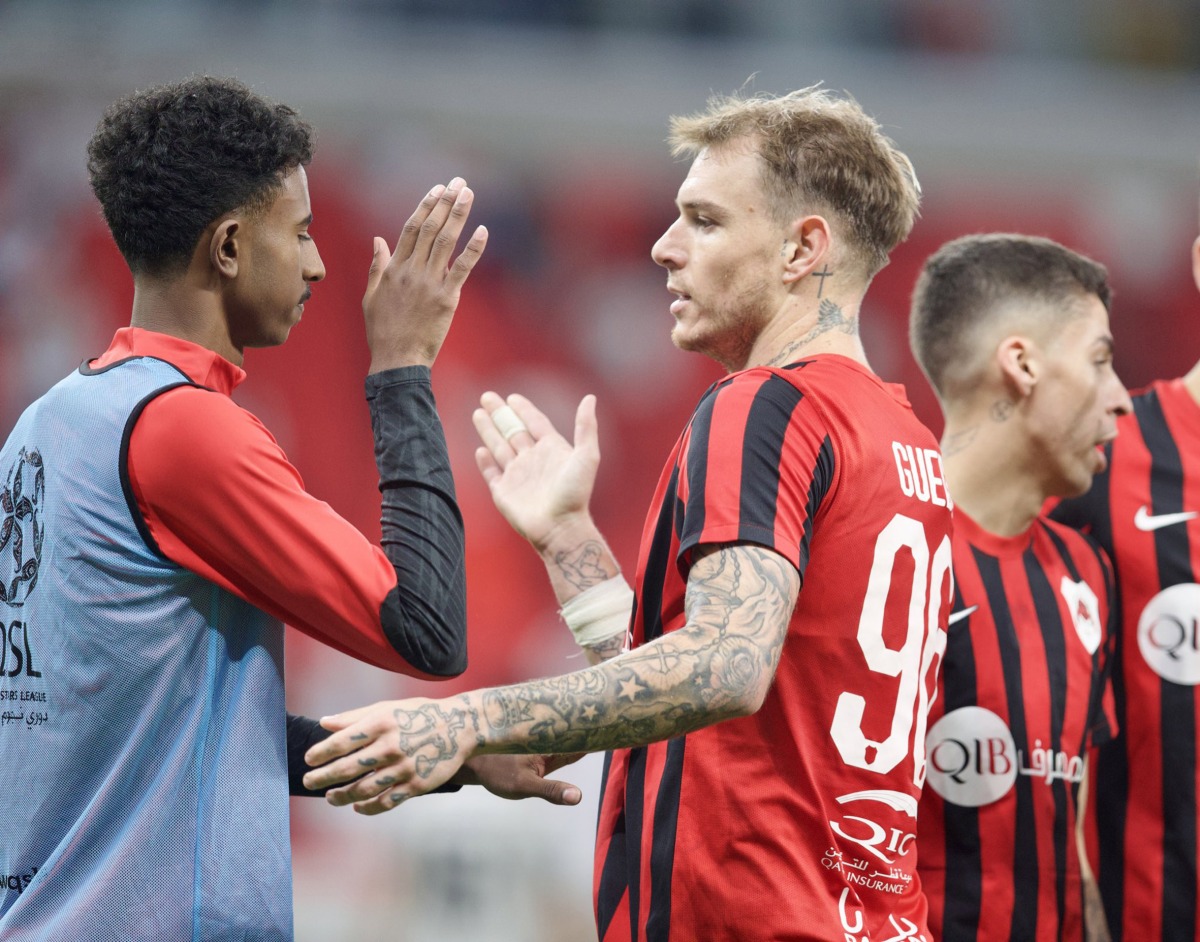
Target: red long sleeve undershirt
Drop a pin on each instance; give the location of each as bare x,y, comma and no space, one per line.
221,499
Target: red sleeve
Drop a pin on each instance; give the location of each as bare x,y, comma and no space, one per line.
221,499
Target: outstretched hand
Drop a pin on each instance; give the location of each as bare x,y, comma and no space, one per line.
538,480
412,293
521,776
384,754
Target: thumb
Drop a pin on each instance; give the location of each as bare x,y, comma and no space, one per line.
558,793
379,261
587,430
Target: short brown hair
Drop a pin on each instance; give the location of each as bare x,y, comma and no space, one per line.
820,154
969,280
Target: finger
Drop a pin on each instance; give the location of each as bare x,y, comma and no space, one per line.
465,263
345,741
366,787
535,420
446,239
510,426
500,450
487,466
340,771
432,228
339,721
412,228
385,802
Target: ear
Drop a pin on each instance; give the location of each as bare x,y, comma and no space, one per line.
223,248
1020,365
807,249
1196,262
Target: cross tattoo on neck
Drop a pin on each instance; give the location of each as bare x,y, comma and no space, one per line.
822,274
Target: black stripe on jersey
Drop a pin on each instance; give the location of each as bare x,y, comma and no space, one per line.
1178,705
1025,868
658,559
697,470
822,480
767,425
662,852
635,805
1045,602
963,899
614,872
1111,797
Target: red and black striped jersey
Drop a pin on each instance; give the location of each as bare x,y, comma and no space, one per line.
797,822
1022,696
1145,511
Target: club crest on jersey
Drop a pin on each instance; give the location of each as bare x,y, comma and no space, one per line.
1085,612
21,527
1167,634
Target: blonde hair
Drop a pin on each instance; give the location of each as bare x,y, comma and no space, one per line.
820,154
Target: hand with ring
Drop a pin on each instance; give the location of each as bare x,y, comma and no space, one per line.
538,480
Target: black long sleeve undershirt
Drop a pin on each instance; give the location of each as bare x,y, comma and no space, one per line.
425,615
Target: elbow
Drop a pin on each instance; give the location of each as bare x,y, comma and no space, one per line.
432,641
747,701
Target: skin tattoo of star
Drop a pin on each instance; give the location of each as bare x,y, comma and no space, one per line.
630,689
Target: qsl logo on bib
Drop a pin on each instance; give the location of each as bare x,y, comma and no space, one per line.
971,757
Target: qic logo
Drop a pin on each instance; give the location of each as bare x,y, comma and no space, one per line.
972,759
21,529
1168,632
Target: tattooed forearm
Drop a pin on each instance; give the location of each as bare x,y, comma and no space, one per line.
605,650
585,566
720,664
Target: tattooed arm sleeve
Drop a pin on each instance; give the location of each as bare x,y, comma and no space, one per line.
719,665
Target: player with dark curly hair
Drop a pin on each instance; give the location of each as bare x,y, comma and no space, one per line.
143,723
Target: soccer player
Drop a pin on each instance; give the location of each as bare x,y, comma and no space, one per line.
1013,333
767,726
1145,511
154,537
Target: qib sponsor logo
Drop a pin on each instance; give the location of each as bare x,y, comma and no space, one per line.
972,759
1169,634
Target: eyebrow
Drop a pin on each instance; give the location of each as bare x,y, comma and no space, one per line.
306,221
701,206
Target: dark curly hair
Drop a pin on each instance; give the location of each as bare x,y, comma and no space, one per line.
166,162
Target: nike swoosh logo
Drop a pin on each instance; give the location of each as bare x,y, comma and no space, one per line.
960,615
1146,522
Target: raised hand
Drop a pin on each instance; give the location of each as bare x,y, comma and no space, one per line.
539,481
412,293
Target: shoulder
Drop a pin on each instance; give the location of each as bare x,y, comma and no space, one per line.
191,431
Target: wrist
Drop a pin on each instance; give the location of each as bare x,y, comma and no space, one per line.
568,531
599,613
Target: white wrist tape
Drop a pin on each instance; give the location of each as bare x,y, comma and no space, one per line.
598,613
